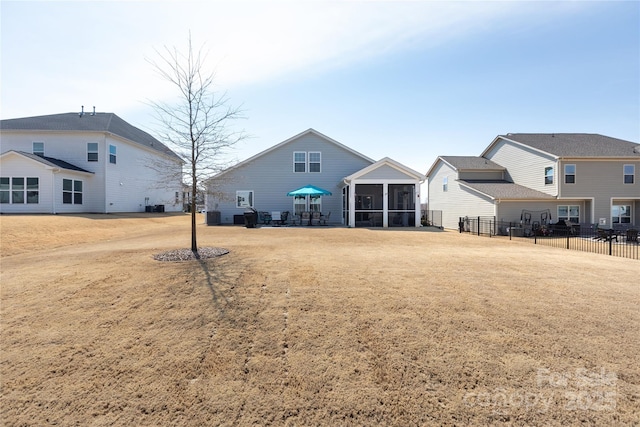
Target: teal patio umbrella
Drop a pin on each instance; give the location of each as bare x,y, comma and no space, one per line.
309,190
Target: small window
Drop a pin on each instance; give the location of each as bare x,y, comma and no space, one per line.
299,161
5,189
445,184
569,174
244,199
548,175
314,161
38,148
629,174
112,154
71,192
92,152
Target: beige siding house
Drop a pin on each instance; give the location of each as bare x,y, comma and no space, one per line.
582,178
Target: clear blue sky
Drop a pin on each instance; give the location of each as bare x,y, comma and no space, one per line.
408,80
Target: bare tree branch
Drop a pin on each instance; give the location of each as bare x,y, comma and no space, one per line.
197,127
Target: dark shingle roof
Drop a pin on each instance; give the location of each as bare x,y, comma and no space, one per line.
471,163
577,144
505,190
100,122
50,161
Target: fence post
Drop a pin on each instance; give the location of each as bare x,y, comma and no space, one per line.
610,246
478,226
568,235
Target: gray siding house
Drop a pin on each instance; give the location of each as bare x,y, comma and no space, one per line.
356,183
583,178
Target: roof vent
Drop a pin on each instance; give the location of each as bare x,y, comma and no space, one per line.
637,149
94,111
81,112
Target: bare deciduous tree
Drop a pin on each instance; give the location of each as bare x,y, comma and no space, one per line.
197,126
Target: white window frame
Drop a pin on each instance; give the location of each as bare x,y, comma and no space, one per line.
38,152
299,162
445,184
568,216
319,162
625,174
74,192
575,169
25,190
113,154
91,151
244,199
548,177
619,217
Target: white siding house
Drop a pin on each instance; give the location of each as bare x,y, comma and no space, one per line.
584,178
92,163
311,158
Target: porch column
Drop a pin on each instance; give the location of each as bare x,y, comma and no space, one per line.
416,191
352,204
385,205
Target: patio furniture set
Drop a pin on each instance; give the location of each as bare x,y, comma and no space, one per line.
284,218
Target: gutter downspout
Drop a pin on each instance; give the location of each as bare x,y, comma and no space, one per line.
53,190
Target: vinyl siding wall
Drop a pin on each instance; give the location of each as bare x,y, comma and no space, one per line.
102,191
270,176
525,166
457,201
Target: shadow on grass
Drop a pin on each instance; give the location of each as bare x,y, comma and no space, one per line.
219,282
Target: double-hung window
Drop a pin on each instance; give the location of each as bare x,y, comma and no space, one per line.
71,192
570,174
445,184
307,161
629,174
548,175
314,161
92,151
112,154
299,161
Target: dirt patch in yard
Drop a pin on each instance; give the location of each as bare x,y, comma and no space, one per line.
309,326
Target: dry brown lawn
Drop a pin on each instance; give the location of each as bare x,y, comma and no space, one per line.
309,326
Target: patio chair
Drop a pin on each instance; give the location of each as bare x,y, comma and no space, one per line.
325,218
632,235
276,218
315,217
305,218
284,217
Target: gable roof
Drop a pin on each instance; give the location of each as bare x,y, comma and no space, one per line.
503,190
389,162
573,145
49,161
289,140
87,122
467,163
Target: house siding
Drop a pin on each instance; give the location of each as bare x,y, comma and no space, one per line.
603,181
385,172
102,191
457,201
513,157
481,175
19,166
270,176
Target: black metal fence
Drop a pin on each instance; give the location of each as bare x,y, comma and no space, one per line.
431,218
581,237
